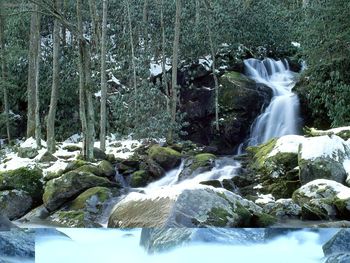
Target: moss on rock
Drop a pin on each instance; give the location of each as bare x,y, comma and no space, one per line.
139,178
165,156
102,194
26,179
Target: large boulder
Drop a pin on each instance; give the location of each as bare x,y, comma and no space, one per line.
17,243
5,223
240,100
274,166
166,157
337,249
202,206
25,179
60,190
322,158
156,240
14,203
197,164
323,199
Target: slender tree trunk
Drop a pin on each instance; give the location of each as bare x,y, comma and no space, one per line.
63,27
174,68
164,73
132,46
3,72
103,114
32,71
144,22
51,145
37,100
95,22
82,106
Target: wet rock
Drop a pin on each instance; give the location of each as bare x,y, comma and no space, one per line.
201,207
283,208
166,157
47,158
339,243
198,164
17,243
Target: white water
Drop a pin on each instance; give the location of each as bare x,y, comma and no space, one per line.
109,246
225,168
281,117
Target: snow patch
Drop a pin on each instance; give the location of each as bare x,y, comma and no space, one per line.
287,144
265,199
313,188
31,143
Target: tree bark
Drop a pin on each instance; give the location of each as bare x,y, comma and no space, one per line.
3,72
32,70
37,100
51,144
174,68
132,46
103,114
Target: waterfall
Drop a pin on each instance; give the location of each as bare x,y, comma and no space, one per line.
281,117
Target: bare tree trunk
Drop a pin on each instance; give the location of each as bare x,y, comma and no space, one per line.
174,68
37,100
63,27
132,46
3,72
82,106
144,22
103,114
51,145
95,22
32,57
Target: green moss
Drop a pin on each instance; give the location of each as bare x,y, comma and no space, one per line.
244,216
139,178
70,218
89,168
75,165
217,217
102,193
263,220
260,153
106,168
29,180
165,156
343,208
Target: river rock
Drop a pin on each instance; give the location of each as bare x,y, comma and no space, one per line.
60,190
197,164
322,158
283,208
5,223
197,207
323,199
166,157
14,203
338,244
338,258
156,240
17,243
25,179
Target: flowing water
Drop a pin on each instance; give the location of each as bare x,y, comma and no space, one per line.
281,117
96,245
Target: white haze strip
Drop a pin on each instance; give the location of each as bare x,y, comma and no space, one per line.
110,246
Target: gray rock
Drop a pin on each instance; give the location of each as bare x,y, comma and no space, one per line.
27,152
5,223
339,243
339,258
14,203
17,243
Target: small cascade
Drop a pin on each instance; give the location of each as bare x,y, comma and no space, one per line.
281,117
119,178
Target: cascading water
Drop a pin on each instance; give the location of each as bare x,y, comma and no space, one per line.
281,117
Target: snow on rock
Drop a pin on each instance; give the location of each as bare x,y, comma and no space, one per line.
75,138
324,146
207,62
157,68
287,144
264,199
322,188
31,143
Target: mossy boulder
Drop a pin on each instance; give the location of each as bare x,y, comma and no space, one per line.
166,157
75,165
322,158
283,208
14,203
63,189
274,165
197,164
47,158
106,168
202,207
96,195
99,154
25,179
72,148
323,199
89,168
27,152
139,178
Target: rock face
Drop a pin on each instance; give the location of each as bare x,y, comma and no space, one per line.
323,157
197,164
323,199
162,239
337,249
14,203
60,190
198,207
240,100
24,179
17,243
5,223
